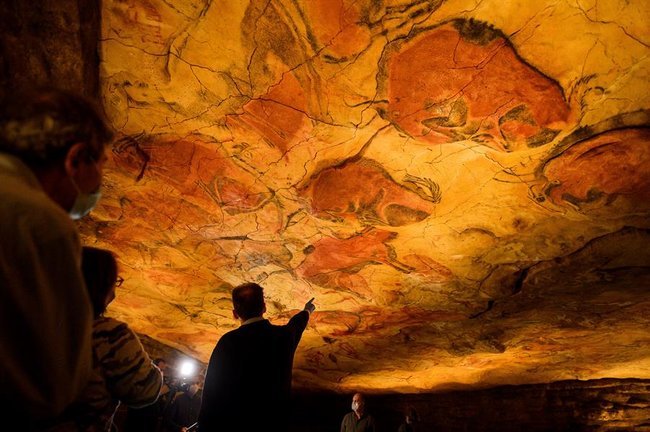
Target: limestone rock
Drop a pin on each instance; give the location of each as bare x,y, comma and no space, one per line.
463,186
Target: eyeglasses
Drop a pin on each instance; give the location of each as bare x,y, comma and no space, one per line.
119,281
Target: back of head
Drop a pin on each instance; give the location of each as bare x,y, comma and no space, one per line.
248,300
39,127
99,268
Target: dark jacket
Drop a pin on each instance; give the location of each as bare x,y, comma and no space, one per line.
183,412
248,382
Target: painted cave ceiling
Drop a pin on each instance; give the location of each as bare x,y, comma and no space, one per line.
464,186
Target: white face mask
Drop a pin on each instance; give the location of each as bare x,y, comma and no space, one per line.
84,203
355,406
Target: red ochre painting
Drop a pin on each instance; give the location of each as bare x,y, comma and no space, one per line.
464,189
464,81
364,190
609,169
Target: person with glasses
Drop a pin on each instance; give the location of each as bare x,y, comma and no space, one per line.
52,154
122,370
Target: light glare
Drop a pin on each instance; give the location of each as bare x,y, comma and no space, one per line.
187,368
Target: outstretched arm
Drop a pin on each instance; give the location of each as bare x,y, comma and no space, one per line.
299,321
309,306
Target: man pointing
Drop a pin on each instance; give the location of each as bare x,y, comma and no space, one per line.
248,382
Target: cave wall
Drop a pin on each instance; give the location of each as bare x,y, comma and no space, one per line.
570,406
54,42
462,185
498,237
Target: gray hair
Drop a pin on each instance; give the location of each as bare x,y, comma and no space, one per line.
40,128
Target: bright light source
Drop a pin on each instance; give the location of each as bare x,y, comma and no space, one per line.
187,368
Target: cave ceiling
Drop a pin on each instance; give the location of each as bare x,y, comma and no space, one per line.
463,186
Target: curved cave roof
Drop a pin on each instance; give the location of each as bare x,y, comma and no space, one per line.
464,190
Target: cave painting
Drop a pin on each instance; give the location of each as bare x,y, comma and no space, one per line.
445,179
464,81
329,254
336,263
279,115
197,168
613,166
364,190
335,24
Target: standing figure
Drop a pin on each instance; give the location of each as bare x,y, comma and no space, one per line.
122,370
248,382
358,420
184,410
148,418
51,162
411,421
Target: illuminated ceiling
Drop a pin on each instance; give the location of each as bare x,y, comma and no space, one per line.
464,186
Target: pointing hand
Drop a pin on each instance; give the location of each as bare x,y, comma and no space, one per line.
309,306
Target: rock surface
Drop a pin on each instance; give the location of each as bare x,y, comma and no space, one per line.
54,44
578,406
463,185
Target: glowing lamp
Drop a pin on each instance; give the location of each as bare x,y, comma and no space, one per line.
187,368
